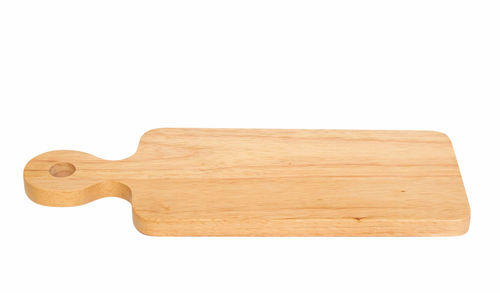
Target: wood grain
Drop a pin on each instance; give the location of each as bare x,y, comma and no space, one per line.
261,182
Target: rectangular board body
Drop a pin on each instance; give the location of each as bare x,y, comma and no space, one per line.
268,182
300,183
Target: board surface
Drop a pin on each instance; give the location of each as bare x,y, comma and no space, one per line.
268,182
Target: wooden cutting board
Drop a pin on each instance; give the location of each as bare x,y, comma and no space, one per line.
262,182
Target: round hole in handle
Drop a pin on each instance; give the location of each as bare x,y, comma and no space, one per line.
62,169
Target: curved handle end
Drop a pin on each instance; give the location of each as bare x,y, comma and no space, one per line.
69,178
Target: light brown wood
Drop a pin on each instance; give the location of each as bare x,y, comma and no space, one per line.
256,182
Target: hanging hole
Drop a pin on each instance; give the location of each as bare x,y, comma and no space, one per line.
62,170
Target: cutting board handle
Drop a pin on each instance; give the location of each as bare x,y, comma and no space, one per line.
70,178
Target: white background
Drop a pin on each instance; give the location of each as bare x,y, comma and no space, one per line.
94,75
